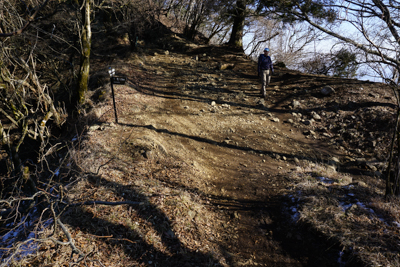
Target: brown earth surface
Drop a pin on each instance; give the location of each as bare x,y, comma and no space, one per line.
212,162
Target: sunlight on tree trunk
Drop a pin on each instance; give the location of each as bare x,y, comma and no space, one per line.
236,39
86,39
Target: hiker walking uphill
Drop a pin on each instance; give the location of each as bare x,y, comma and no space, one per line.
265,69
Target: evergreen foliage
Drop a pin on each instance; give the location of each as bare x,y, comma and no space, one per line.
342,63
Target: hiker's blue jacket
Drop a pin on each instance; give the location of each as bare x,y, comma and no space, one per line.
265,63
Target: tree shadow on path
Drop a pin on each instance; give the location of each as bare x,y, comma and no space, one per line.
127,235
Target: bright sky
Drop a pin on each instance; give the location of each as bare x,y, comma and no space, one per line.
324,46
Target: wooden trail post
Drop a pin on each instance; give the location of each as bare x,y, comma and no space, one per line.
115,80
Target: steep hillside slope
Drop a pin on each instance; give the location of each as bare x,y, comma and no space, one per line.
224,177
192,116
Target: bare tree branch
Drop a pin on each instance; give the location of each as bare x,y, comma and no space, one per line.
99,202
29,21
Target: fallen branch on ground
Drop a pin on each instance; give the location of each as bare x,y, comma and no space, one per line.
99,202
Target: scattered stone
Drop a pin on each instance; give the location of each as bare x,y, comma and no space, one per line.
148,154
372,167
296,104
213,103
327,90
261,102
226,66
309,132
359,183
275,119
373,95
315,116
334,161
236,215
94,128
331,168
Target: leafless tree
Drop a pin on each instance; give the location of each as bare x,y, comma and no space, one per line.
289,42
372,28
39,47
16,16
30,74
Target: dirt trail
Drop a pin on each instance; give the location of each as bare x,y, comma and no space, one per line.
238,147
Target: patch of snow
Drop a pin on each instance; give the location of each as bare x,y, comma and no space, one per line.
348,186
344,206
361,205
325,180
8,239
372,211
28,248
295,213
341,262
15,235
296,217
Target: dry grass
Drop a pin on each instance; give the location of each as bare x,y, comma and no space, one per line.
174,225
353,214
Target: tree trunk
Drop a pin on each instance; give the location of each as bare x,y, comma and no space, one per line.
86,41
236,39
